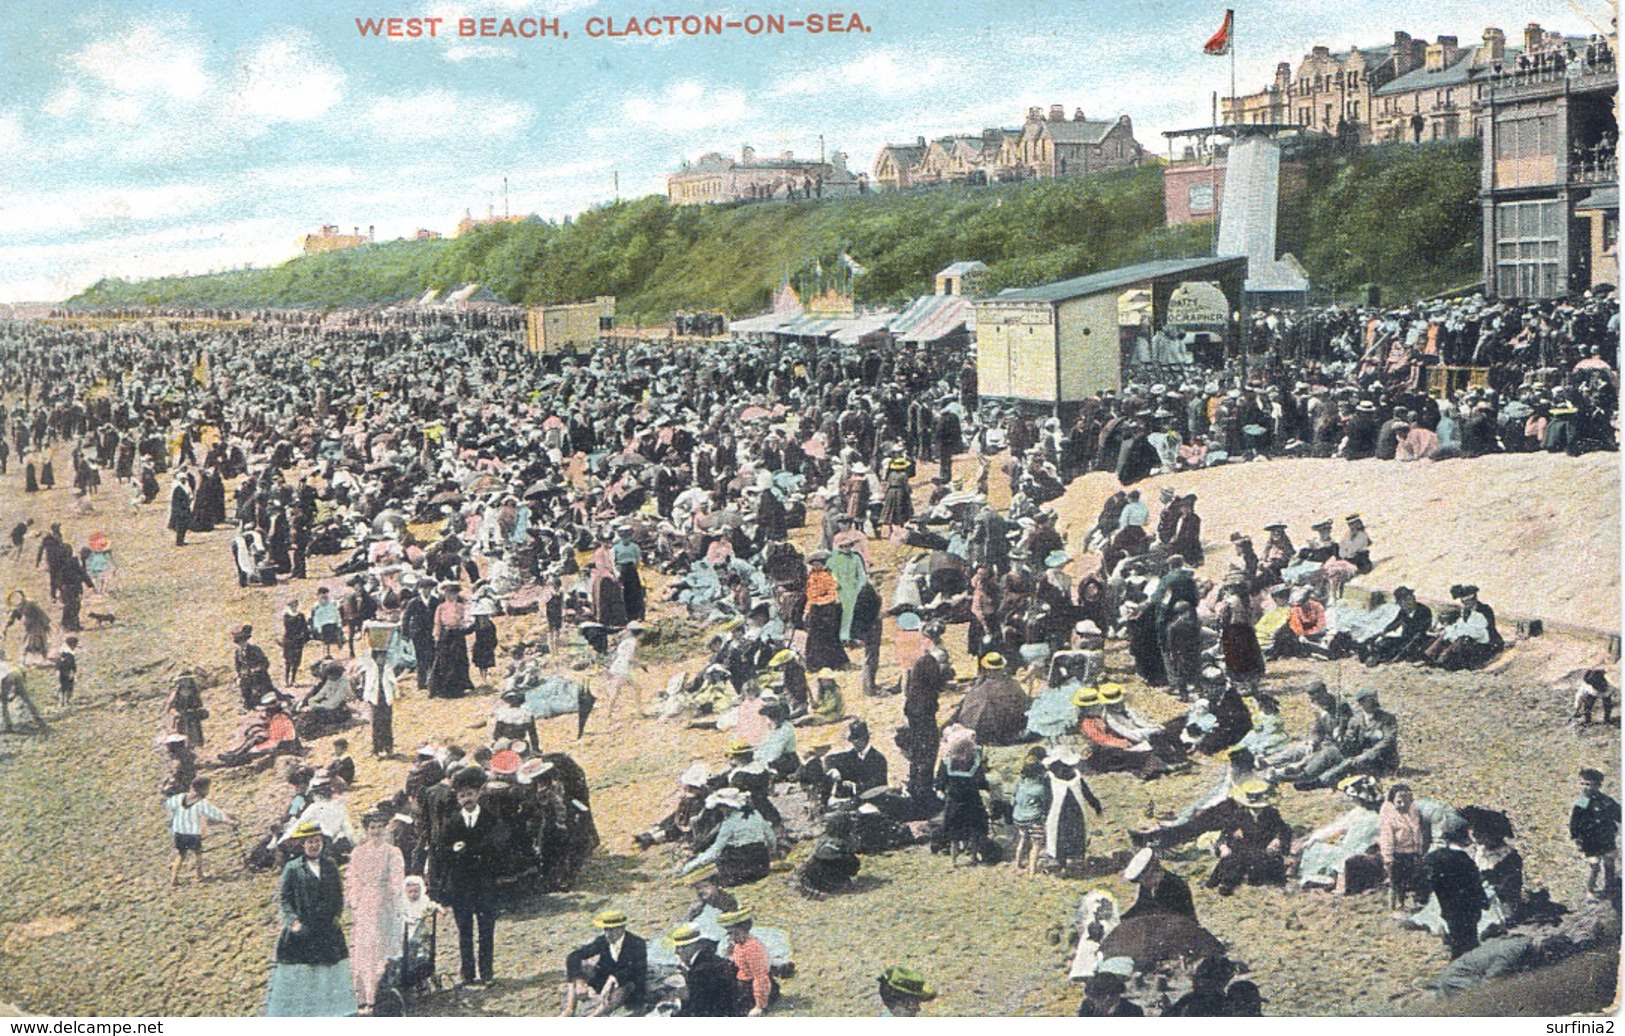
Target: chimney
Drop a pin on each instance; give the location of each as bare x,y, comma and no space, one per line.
370,232
788,156
1495,46
747,154
1057,113
1283,74
1533,37
1320,51
1450,49
1404,53
992,137
919,142
1077,115
1035,114
355,232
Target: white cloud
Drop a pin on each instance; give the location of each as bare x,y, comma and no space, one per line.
65,212
156,61
686,105
287,79
65,101
11,130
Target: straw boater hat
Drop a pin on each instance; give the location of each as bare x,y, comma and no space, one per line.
610,919
1110,693
900,978
1086,697
700,874
993,661
685,935
744,915
739,746
303,830
1253,794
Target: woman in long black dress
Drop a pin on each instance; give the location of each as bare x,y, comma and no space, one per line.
961,779
823,617
484,652
449,677
312,977
1243,661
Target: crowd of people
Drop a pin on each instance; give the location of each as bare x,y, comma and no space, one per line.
573,503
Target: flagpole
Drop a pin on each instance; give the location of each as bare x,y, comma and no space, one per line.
1233,102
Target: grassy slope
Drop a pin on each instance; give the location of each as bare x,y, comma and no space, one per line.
1402,216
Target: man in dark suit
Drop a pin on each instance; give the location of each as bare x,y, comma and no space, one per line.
1452,875
712,981
466,849
860,765
615,966
1161,892
1103,998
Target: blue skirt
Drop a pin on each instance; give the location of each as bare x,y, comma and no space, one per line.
311,991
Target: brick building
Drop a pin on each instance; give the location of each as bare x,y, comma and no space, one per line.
330,240
1044,147
1550,174
716,178
1406,90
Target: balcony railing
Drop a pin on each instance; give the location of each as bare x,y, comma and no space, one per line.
1594,165
1550,71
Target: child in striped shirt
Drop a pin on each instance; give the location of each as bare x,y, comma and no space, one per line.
189,813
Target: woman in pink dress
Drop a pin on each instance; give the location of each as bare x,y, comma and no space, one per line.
374,890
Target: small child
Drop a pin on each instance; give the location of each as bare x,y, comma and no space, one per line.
341,765
189,813
1401,839
1029,805
1593,689
418,905
67,668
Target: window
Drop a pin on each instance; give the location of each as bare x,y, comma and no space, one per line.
1526,138
1200,197
1528,244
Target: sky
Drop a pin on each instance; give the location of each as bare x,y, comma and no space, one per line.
147,139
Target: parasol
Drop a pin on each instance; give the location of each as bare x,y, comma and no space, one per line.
629,459
1148,938
754,413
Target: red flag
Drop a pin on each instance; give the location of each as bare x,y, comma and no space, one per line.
1219,45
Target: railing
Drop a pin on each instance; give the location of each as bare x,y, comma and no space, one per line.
1550,70
1594,165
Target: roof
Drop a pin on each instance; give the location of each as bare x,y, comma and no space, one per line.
1427,79
904,155
864,324
1606,198
760,324
963,267
931,317
1110,280
1071,132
